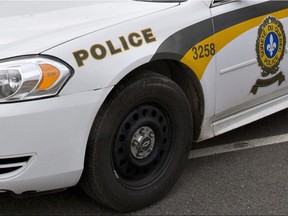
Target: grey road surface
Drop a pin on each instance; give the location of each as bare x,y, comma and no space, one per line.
249,181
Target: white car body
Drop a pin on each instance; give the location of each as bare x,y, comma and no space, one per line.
54,131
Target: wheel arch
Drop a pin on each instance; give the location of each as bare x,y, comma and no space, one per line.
185,78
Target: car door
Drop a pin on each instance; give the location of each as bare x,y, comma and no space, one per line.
252,64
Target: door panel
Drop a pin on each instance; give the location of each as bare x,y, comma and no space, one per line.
251,64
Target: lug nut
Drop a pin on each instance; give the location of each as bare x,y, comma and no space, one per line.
135,143
140,155
142,132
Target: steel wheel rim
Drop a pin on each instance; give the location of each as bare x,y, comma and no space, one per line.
130,170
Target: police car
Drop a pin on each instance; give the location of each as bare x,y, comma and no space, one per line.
110,95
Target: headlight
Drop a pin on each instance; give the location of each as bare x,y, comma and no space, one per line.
31,77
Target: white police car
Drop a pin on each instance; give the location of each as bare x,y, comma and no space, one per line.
110,94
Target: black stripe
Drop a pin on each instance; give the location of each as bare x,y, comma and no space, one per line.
178,44
232,18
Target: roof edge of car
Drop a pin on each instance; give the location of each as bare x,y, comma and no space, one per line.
162,1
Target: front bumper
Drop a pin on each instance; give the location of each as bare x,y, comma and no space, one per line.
52,135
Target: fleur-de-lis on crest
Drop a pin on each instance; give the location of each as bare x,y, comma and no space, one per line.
272,46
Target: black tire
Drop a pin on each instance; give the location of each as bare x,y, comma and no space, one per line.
116,173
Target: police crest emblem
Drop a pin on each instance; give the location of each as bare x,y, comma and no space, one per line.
270,49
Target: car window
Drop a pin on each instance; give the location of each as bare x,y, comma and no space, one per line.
220,2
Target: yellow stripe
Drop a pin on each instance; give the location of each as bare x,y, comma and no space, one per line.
222,38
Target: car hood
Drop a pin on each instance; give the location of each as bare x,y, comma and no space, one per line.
31,27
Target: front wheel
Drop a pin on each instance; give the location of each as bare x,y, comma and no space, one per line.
138,144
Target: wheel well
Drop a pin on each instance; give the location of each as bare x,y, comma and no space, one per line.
187,81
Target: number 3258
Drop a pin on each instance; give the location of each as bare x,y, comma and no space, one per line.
203,51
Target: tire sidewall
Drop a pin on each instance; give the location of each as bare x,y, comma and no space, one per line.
158,90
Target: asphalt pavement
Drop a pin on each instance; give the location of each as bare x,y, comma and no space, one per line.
243,181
